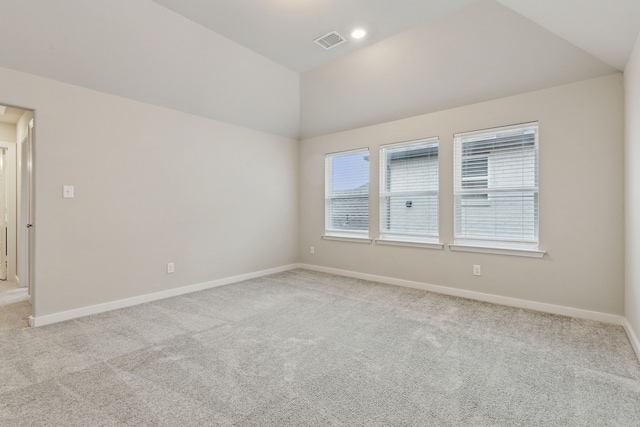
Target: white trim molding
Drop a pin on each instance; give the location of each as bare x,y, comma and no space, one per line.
128,302
351,239
479,296
411,244
531,253
635,342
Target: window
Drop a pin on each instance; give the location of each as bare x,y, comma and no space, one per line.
347,194
409,191
496,187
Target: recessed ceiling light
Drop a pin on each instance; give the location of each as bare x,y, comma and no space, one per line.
358,33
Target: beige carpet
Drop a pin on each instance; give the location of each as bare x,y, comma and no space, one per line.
304,348
14,306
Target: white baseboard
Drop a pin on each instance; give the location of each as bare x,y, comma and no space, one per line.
496,299
635,342
479,296
128,302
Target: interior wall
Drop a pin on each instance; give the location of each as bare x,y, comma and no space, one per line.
140,50
442,65
581,200
7,132
632,188
152,186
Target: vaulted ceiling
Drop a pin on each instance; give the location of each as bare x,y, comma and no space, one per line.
253,62
479,52
283,30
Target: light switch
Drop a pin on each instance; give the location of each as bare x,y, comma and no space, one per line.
67,191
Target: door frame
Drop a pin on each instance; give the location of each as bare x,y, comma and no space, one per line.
12,208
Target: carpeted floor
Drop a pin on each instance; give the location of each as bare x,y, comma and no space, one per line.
14,306
305,348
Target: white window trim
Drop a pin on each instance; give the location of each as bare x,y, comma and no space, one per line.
414,243
497,250
345,235
522,249
347,238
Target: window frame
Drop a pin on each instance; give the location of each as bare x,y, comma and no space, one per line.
500,244
428,240
329,196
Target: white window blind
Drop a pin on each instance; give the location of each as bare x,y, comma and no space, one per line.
409,191
347,193
496,187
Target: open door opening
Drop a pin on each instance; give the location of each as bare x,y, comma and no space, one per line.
16,213
4,213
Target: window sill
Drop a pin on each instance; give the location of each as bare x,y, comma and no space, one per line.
412,244
352,239
531,253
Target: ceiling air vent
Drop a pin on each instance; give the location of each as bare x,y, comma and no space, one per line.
330,40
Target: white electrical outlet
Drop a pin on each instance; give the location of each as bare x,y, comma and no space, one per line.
67,191
170,268
312,250
477,271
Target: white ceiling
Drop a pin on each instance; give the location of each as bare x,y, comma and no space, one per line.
253,63
607,29
480,52
283,30
140,50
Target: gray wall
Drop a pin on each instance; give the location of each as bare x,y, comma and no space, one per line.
581,200
632,185
152,185
7,132
479,52
140,50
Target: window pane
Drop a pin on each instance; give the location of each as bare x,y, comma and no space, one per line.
350,173
496,179
412,215
347,192
412,168
475,172
409,190
351,213
504,216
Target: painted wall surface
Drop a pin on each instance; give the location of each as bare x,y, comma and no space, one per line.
581,200
632,188
140,50
7,132
151,186
482,51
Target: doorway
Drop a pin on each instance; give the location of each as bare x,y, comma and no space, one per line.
4,212
16,213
